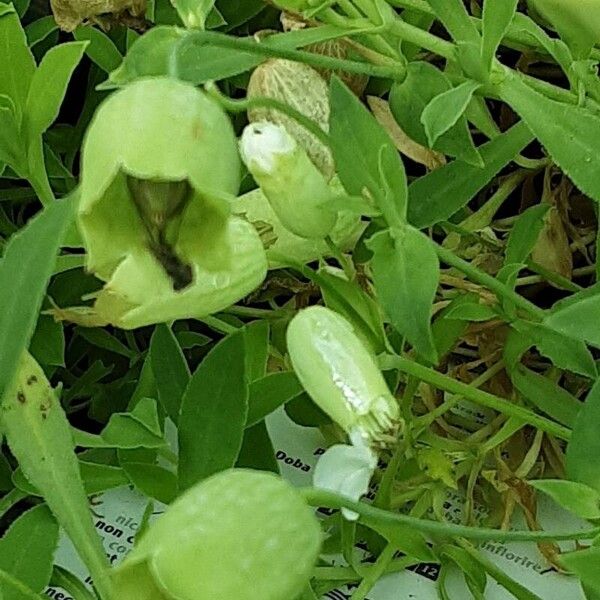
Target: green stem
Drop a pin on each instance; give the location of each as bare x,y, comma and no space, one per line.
349,574
320,61
500,289
443,408
238,106
341,259
423,39
379,568
383,499
322,498
443,382
218,324
11,499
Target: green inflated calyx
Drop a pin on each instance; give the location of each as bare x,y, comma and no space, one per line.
342,377
239,534
159,168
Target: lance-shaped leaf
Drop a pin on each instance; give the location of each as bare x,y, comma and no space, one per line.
406,275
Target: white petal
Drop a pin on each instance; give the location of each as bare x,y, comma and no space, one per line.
346,470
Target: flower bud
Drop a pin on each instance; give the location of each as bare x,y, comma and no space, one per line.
296,189
342,377
256,209
302,88
159,167
239,534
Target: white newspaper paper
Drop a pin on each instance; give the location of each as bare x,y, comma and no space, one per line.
118,513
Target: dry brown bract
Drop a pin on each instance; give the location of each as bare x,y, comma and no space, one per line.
69,14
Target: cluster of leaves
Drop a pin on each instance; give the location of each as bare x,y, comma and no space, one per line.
466,144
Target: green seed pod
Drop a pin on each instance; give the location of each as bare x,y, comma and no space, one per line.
302,88
342,377
239,534
296,189
159,167
577,21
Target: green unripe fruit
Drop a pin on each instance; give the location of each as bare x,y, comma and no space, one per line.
239,534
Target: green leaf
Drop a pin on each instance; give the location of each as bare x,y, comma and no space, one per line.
546,395
194,13
444,111
524,234
579,498
269,393
584,445
473,572
584,564
439,194
11,148
569,133
577,316
213,413
257,450
496,19
564,352
27,551
406,275
152,480
48,342
25,269
39,436
409,99
100,48
348,299
472,311
256,336
17,65
49,85
131,430
170,369
456,19
39,30
188,55
377,168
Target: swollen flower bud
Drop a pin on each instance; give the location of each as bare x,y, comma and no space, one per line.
342,377
159,167
296,189
302,88
239,534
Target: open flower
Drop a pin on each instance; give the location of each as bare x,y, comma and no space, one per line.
159,168
239,534
296,189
